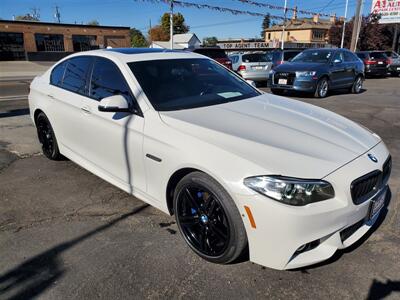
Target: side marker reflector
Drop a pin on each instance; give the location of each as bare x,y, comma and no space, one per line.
250,215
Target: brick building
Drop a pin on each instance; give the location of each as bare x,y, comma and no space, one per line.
25,40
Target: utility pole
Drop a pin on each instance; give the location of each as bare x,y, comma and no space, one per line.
150,40
344,23
171,25
57,15
359,25
283,27
354,35
396,33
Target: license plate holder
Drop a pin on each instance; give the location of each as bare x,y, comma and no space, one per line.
258,68
377,203
282,81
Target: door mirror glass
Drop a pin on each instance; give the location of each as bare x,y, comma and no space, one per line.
115,103
337,61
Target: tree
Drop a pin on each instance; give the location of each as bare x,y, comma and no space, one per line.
210,41
179,23
157,33
34,15
137,38
265,24
93,23
372,35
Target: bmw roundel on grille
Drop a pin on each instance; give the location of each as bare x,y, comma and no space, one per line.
372,157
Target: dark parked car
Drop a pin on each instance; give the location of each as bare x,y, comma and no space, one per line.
281,56
216,54
394,63
376,62
318,71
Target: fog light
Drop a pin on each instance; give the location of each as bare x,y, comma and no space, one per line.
307,247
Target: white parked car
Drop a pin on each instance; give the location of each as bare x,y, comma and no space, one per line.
237,168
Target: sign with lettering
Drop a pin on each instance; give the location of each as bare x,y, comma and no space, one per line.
389,10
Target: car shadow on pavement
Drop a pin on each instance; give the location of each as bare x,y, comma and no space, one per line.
380,290
305,95
35,275
362,240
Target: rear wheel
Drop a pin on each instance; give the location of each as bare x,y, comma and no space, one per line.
208,219
47,137
322,88
357,85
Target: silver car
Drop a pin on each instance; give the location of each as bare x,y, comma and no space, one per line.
252,66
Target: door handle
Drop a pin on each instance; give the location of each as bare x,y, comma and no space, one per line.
86,110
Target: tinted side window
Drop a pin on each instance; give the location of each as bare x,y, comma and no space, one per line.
362,55
107,80
290,54
338,55
76,74
57,74
348,56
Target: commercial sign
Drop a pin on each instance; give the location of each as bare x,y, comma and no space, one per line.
240,46
389,10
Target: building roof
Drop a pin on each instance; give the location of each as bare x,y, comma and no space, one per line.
138,50
62,24
167,45
184,37
303,23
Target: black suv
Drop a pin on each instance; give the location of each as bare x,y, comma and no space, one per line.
318,71
376,62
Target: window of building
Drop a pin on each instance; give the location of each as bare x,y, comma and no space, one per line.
49,42
318,34
75,77
269,36
107,80
11,46
84,42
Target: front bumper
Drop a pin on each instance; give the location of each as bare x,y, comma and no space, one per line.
306,84
336,223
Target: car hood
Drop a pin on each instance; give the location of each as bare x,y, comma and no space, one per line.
292,67
279,135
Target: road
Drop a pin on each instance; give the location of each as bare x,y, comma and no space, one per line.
65,233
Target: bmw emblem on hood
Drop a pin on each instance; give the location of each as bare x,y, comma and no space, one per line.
372,157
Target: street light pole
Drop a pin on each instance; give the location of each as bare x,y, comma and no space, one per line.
171,25
283,27
344,23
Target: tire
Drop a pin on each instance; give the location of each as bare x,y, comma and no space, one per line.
322,89
277,91
208,219
47,138
357,85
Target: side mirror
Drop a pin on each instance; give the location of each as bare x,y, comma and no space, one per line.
251,82
337,61
115,103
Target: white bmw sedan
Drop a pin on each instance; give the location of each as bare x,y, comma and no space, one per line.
238,168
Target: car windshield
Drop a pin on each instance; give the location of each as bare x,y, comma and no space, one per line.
257,57
174,84
314,56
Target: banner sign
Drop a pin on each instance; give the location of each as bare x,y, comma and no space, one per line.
389,10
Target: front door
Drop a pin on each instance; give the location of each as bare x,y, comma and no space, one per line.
113,140
338,70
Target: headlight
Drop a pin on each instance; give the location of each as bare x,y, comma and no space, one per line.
305,73
291,191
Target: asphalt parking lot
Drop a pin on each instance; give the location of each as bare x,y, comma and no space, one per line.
65,233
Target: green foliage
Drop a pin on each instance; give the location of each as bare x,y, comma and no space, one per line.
137,38
27,17
179,23
265,24
210,41
93,23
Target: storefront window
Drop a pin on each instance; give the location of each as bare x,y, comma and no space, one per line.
49,42
84,42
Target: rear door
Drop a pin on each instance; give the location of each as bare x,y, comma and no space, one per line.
113,141
66,95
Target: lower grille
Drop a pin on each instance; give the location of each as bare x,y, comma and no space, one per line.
348,232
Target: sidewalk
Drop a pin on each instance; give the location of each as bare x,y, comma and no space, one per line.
22,70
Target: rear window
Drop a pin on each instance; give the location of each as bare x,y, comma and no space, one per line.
289,55
257,57
377,55
212,53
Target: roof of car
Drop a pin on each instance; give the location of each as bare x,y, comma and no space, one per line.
127,55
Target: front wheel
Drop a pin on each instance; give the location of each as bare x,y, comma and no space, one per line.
322,88
208,219
357,85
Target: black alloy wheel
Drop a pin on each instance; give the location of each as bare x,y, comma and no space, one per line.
208,219
47,137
